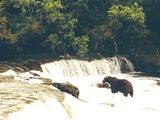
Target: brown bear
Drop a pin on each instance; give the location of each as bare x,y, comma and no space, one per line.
121,85
68,88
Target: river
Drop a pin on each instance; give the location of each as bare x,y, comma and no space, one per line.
28,97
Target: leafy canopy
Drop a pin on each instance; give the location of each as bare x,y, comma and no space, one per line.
119,14
128,25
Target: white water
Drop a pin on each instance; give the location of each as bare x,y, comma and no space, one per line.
77,68
100,103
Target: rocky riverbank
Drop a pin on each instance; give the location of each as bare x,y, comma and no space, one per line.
147,63
16,94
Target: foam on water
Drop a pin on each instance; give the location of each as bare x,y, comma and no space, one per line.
103,104
94,103
47,110
100,102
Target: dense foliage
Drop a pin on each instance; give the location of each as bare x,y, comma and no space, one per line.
128,25
79,27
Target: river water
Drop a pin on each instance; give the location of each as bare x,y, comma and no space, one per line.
24,96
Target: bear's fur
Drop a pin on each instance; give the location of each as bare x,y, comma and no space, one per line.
121,85
68,88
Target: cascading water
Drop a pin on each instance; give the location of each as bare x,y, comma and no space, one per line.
76,68
100,103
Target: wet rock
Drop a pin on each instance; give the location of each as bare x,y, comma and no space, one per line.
68,88
67,56
15,95
34,74
102,85
32,65
33,77
158,83
149,63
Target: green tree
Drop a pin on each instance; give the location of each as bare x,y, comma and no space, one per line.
41,26
128,26
75,7
100,40
80,45
151,8
6,34
7,37
94,15
61,30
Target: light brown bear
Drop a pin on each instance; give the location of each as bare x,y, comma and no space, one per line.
121,85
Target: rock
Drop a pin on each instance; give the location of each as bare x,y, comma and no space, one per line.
67,56
102,85
68,88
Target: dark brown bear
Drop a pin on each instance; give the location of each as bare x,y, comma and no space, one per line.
120,85
68,88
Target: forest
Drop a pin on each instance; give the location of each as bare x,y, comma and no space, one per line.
79,27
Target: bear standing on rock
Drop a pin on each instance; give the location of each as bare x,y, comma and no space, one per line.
121,85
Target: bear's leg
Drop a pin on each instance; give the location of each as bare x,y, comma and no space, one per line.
125,94
113,90
131,93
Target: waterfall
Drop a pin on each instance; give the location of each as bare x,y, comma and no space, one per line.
43,101
76,68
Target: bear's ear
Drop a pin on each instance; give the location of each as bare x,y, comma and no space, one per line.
109,77
105,79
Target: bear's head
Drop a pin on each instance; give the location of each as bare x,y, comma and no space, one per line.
107,79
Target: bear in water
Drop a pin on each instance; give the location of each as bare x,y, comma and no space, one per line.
68,88
121,85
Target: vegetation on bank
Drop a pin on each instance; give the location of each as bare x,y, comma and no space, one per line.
79,27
